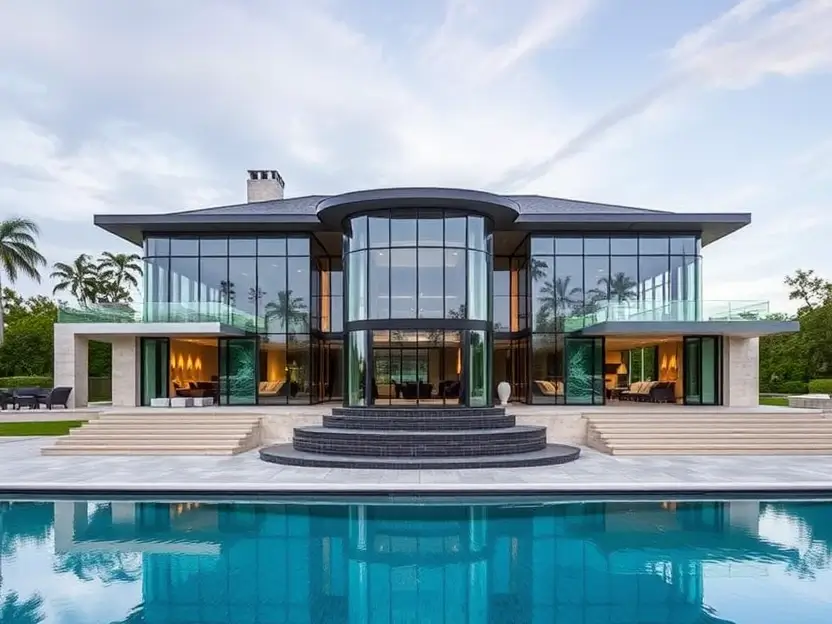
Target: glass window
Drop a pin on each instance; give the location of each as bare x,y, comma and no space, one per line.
272,305
271,246
543,293
596,280
477,307
242,292
213,290
155,246
297,295
380,230
476,233
502,314
155,367
358,240
455,231
403,232
357,282
238,370
430,231
653,275
297,368
623,284
242,246
273,388
547,369
684,245
403,283
569,246
184,287
653,245
584,371
156,271
568,292
624,245
454,283
337,315
431,268
213,247
479,382
356,362
543,246
502,277
184,246
297,246
379,283
596,246
710,366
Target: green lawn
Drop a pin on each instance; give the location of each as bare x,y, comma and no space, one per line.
39,428
778,401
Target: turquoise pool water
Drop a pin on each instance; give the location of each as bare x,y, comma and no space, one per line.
188,563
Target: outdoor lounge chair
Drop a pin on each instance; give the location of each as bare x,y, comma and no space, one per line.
6,399
56,396
28,397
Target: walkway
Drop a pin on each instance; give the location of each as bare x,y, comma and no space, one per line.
22,469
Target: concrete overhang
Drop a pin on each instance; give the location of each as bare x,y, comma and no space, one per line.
502,210
169,330
646,329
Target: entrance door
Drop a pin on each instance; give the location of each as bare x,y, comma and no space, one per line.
155,380
702,370
238,371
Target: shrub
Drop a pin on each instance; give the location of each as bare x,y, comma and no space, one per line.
820,386
791,387
25,382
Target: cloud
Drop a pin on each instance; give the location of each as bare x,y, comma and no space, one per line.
733,51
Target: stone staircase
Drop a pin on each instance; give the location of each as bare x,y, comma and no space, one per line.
710,433
190,432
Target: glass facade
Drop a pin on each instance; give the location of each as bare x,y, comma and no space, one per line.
419,307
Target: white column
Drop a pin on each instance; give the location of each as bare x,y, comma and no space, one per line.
125,371
741,371
71,362
478,568
358,591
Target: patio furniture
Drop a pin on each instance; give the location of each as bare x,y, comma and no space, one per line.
27,397
6,399
56,396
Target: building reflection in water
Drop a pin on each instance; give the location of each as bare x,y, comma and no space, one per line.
595,562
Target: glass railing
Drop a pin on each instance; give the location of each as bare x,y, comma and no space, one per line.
161,312
673,311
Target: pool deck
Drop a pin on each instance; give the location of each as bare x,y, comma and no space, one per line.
23,470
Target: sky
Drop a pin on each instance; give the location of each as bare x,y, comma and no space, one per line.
688,106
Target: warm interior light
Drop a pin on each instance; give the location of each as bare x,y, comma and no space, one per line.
673,361
198,364
458,361
172,360
181,361
622,369
664,362
190,365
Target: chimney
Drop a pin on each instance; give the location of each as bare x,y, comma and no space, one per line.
264,185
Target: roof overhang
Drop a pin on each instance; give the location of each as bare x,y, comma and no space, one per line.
502,210
170,330
133,228
711,226
646,329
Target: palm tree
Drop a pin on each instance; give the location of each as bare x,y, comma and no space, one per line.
18,254
119,272
288,309
537,268
26,612
80,278
556,299
620,287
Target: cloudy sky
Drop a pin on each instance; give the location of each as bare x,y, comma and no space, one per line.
161,105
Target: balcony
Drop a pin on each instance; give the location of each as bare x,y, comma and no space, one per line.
679,311
160,312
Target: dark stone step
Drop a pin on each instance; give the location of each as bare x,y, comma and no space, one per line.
416,422
459,443
551,454
422,412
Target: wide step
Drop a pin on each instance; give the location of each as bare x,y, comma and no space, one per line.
168,434
731,434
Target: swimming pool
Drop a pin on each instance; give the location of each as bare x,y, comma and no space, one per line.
453,561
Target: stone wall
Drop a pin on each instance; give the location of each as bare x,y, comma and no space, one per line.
71,362
741,371
125,371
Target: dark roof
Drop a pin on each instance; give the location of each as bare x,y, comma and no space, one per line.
530,213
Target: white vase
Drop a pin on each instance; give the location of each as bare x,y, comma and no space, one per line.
504,392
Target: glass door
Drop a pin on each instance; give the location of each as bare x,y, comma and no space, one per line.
238,371
155,380
702,370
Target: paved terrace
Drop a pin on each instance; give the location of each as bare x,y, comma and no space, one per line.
23,470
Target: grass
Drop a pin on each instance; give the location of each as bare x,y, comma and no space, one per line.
777,401
39,428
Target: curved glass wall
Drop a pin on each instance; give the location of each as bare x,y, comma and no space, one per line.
420,282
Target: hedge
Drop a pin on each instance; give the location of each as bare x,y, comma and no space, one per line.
820,386
25,382
784,387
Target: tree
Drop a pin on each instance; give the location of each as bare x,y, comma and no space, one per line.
12,610
557,299
28,347
18,254
808,288
289,309
80,278
117,274
620,287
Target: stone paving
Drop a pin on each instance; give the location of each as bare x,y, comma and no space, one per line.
22,469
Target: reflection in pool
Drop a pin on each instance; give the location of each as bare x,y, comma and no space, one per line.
655,562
